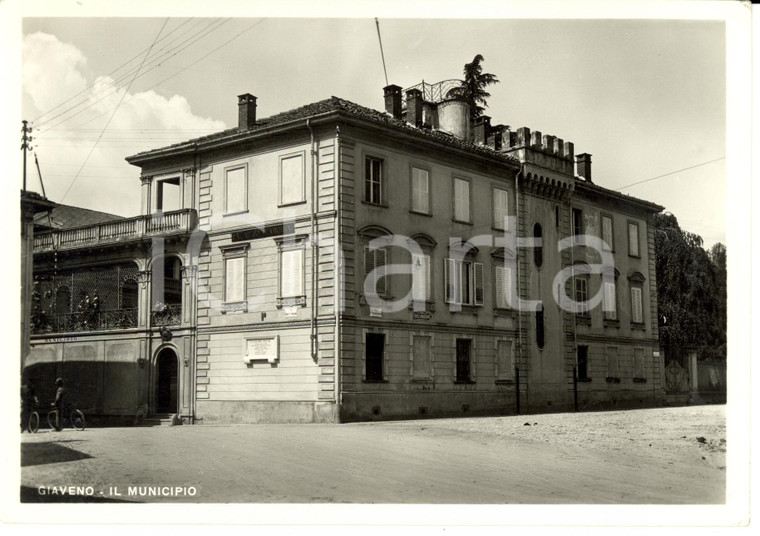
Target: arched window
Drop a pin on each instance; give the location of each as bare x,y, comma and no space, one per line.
538,250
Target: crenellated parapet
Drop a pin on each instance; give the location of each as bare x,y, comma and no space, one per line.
533,147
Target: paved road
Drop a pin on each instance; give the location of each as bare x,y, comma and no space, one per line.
435,462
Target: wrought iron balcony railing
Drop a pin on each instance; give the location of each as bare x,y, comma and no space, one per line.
129,229
80,322
169,315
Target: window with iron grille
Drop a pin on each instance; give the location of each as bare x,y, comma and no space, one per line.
463,360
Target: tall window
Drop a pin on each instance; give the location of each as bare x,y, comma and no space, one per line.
500,209
420,190
464,282
374,347
234,279
375,261
463,360
582,370
421,354
581,295
421,287
292,179
607,232
373,180
505,366
62,300
637,309
633,239
540,326
291,273
462,200
577,224
610,300
504,282
235,190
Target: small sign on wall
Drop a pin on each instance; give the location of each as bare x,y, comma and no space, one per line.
375,312
261,349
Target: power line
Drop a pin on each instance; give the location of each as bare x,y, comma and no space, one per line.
671,173
113,114
155,62
182,70
382,54
109,74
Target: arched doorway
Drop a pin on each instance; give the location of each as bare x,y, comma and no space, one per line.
166,381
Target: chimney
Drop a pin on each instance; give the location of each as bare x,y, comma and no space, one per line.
481,130
495,137
414,107
246,111
392,96
583,166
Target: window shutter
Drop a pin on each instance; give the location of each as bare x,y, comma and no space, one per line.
478,267
449,273
235,280
610,307
291,273
380,262
636,305
607,231
633,239
500,285
420,276
369,266
501,201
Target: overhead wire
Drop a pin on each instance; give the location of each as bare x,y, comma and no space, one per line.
671,173
113,114
114,86
182,70
51,110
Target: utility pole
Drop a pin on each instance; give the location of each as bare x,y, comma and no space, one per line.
26,139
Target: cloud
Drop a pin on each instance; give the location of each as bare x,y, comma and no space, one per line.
71,108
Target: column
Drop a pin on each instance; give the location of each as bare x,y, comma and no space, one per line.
189,275
145,199
143,311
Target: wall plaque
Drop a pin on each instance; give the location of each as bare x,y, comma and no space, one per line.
255,233
261,349
422,315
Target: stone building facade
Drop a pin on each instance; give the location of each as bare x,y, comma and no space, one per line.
335,263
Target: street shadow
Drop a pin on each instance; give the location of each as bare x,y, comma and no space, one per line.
32,495
49,452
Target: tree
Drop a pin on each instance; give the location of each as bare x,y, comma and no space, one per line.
691,291
473,87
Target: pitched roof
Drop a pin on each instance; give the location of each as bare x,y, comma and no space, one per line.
69,217
332,105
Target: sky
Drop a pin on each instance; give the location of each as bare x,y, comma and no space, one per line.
645,97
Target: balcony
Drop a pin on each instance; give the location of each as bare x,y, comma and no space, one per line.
81,322
167,315
118,231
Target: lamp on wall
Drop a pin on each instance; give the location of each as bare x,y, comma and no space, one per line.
166,335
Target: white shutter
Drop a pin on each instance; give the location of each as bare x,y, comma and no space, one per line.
369,266
504,364
500,211
633,239
291,273
500,284
421,357
450,280
380,262
636,305
421,276
638,363
420,179
235,193
291,179
610,306
234,280
607,231
461,200
479,284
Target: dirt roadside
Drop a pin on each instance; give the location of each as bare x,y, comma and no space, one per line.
654,456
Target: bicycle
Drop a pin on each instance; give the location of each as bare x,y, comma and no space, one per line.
34,422
68,414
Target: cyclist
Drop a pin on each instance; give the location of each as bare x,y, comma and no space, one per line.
58,403
28,400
